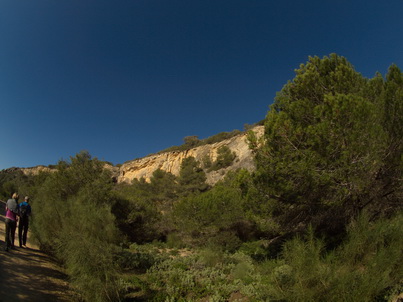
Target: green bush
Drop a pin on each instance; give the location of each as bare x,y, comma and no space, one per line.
137,218
192,178
207,276
211,217
366,267
257,250
73,220
138,257
87,251
225,158
142,208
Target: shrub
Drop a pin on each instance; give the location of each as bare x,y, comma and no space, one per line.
73,220
225,158
205,276
211,216
367,267
86,250
138,257
257,250
192,178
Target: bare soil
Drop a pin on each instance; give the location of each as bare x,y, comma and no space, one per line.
27,274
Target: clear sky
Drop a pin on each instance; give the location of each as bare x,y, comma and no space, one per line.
123,79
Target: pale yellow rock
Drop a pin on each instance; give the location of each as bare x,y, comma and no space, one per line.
36,170
171,161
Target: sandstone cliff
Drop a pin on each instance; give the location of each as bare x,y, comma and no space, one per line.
27,171
171,161
36,170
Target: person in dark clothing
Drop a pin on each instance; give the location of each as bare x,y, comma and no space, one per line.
11,221
24,212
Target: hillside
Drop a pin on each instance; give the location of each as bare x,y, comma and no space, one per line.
171,161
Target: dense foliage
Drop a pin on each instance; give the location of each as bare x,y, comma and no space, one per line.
332,147
73,220
319,220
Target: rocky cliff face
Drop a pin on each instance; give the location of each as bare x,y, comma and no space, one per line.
36,170
171,161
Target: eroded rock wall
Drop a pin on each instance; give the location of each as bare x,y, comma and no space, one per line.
171,161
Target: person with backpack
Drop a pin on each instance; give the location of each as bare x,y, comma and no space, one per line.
24,212
11,221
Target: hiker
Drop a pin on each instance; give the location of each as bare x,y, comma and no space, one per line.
24,212
11,221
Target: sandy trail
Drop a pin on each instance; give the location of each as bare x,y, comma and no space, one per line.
27,274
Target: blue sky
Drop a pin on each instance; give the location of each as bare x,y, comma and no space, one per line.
124,79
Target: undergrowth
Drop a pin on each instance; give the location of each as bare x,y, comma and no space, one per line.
366,267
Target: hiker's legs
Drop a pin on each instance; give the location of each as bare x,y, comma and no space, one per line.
24,229
13,226
20,229
7,233
10,224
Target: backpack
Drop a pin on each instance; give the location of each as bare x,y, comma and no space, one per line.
23,210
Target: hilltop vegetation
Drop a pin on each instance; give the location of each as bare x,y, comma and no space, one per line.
319,220
193,141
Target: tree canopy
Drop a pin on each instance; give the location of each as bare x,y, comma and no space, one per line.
332,145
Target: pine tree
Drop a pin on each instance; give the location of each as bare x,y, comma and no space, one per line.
192,178
325,144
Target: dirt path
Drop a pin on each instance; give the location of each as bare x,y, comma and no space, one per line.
27,274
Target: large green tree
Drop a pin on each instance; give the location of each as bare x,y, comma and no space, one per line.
330,139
